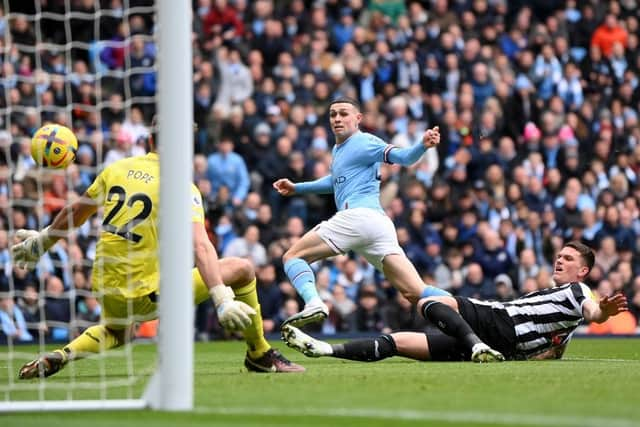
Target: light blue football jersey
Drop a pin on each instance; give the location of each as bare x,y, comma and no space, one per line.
356,171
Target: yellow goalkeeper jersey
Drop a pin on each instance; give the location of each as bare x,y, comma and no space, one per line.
126,261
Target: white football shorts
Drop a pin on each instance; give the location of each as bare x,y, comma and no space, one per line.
365,231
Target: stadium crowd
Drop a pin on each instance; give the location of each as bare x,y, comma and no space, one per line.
537,103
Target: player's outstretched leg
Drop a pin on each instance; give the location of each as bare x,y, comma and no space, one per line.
296,265
304,343
362,350
451,323
44,366
93,340
303,279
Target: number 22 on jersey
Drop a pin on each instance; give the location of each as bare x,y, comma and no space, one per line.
137,207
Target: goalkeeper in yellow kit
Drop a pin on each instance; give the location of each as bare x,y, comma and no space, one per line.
126,269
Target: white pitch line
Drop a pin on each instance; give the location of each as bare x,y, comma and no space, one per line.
589,359
469,417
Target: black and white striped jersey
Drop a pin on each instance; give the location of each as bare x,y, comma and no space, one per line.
544,318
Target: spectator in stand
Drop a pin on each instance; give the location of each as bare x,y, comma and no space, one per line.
476,285
608,34
368,316
236,84
12,322
134,127
33,312
504,288
142,55
57,309
222,21
401,315
113,56
272,166
607,254
226,168
350,278
492,256
345,308
527,267
121,144
248,246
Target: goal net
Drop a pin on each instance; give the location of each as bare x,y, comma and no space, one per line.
93,66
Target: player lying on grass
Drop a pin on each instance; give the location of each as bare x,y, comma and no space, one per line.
126,269
538,325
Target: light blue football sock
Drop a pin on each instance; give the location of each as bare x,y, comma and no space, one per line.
432,291
302,278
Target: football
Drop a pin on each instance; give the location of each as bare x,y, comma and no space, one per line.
54,146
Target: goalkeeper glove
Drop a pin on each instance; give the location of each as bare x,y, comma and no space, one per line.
33,244
233,315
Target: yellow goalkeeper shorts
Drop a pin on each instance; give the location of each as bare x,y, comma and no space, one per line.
118,312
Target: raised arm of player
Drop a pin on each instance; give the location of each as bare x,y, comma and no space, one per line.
593,312
322,185
35,243
607,306
410,155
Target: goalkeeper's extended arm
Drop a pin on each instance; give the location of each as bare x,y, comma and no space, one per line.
72,216
33,243
233,315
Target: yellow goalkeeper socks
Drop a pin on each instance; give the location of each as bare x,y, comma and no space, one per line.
254,334
93,340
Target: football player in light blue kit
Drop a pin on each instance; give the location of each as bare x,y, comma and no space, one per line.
360,224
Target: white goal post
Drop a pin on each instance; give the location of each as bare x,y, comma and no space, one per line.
171,386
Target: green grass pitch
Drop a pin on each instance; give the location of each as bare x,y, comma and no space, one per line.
597,384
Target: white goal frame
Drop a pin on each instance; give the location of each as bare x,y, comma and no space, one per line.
171,387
